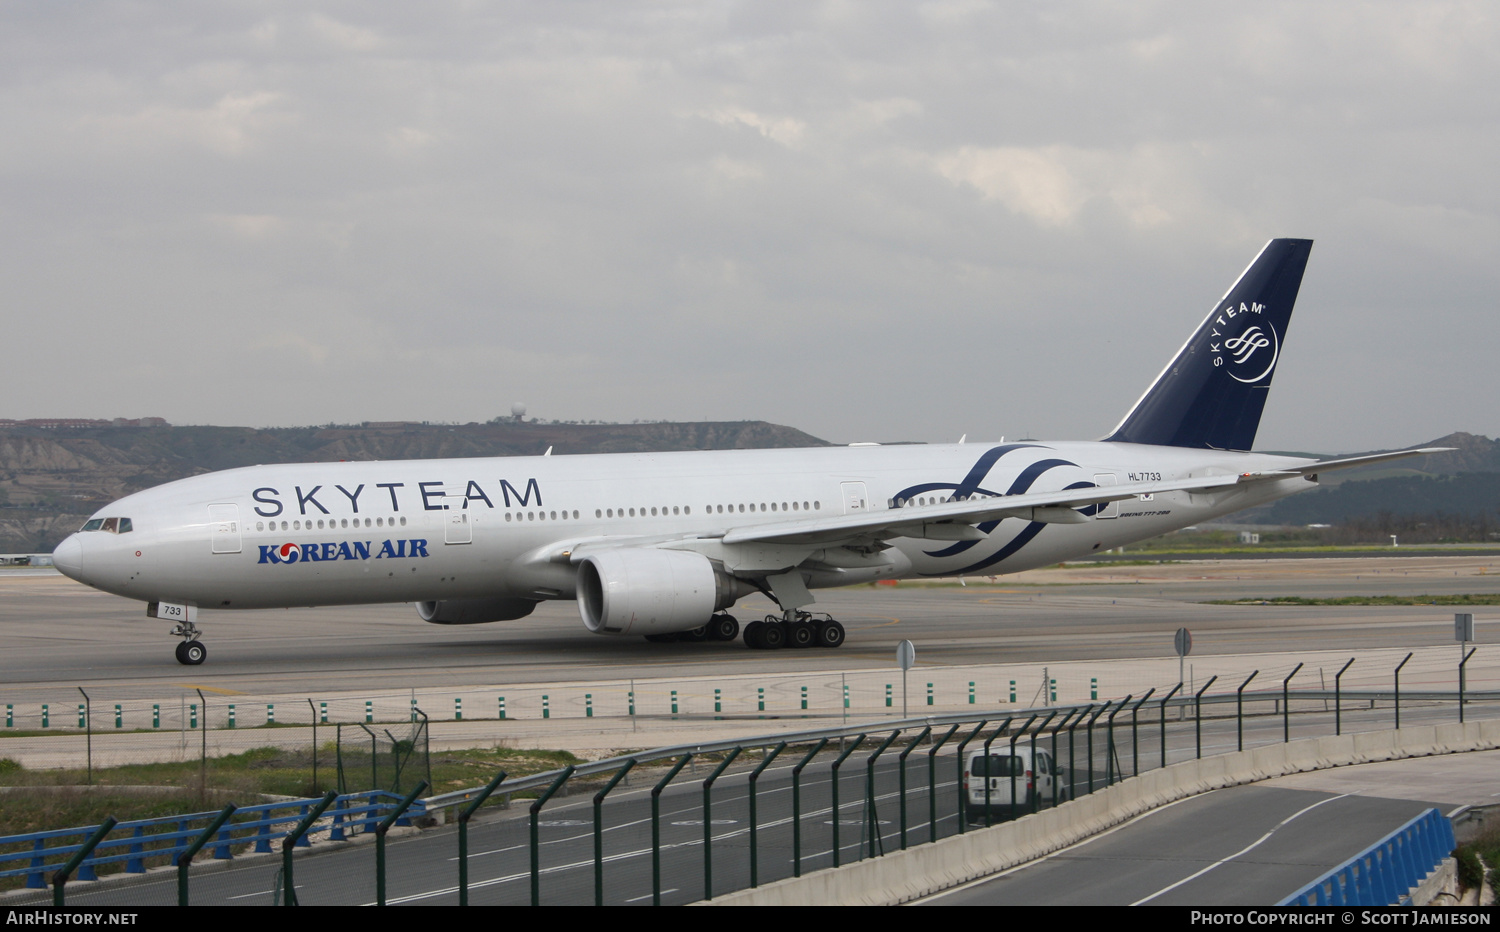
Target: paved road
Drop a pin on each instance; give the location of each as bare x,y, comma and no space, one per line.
1242,846
1246,845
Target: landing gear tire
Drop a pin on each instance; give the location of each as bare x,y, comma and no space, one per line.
829,634
772,637
800,634
191,653
723,628
752,634
695,636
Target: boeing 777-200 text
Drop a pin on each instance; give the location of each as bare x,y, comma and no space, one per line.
660,544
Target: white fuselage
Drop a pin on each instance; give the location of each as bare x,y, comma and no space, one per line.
421,530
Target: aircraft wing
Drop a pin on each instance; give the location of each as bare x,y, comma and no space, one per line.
956,520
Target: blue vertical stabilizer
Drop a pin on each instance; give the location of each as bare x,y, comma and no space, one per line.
1211,394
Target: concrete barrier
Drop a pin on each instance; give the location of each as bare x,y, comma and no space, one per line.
906,875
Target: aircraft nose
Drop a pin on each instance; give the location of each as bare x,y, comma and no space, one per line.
68,558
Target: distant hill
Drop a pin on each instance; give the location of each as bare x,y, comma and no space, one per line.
51,479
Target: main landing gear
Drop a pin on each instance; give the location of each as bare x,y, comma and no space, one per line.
191,651
720,627
794,629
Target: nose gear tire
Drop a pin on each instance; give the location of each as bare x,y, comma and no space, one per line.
191,653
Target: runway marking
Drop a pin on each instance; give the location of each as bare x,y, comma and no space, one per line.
637,899
1248,848
210,689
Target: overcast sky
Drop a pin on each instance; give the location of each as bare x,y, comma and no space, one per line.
871,221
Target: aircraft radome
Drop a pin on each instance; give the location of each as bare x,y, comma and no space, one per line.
661,544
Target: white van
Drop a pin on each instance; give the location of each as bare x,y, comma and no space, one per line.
1015,786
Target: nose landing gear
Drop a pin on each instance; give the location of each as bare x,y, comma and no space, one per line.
191,651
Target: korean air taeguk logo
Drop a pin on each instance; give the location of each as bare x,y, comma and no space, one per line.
1244,343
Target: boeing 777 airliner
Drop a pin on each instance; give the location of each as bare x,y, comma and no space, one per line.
660,544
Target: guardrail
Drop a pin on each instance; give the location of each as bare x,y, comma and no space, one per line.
1384,873
138,844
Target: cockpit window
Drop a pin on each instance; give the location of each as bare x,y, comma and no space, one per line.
112,525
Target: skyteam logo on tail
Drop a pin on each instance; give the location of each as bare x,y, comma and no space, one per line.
1251,353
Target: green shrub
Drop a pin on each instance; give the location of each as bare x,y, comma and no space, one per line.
1470,870
10,765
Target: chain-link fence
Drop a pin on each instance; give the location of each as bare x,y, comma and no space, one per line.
675,825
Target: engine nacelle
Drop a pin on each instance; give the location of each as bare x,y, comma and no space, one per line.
641,590
474,611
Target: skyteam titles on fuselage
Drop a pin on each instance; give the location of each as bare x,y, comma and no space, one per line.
269,502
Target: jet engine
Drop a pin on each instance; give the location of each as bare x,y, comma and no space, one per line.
474,611
640,590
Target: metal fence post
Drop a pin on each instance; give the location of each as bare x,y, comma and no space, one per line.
186,857
599,830
1057,784
60,879
754,828
1135,737
380,831
1338,705
963,797
871,820
1090,731
833,785
1013,739
902,777
1109,752
932,783
1461,677
1398,690
1286,705
288,887
1073,758
656,827
1198,714
1036,798
536,844
797,806
1164,700
708,824
988,817
463,836
1239,711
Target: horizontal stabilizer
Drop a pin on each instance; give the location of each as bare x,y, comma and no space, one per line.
1312,469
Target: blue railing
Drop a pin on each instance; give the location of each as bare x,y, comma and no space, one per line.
1384,873
168,836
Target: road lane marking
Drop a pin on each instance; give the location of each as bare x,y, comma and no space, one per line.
1251,847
